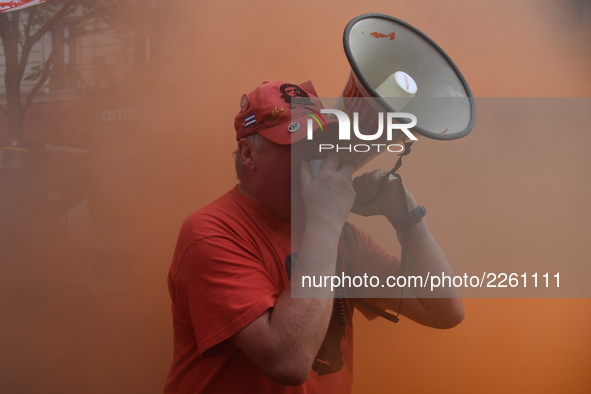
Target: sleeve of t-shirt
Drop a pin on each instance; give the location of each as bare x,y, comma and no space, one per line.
226,287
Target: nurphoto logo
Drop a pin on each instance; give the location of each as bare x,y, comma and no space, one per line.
391,131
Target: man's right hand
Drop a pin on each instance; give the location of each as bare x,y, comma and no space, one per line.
328,198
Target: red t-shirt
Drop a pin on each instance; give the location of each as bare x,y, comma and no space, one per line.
229,267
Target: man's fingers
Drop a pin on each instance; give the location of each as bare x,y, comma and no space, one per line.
331,163
367,185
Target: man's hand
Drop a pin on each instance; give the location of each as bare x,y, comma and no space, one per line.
328,198
370,202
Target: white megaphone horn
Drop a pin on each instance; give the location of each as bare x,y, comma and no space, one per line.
395,68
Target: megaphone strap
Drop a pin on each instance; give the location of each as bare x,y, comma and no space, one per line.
407,146
377,311
385,178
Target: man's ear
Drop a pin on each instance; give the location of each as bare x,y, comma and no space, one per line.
246,154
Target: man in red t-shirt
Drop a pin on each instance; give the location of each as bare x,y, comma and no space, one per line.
237,327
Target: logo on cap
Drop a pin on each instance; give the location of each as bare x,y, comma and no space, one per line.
244,102
289,90
293,127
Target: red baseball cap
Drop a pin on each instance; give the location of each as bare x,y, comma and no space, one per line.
269,111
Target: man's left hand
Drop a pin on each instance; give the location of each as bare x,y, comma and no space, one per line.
370,201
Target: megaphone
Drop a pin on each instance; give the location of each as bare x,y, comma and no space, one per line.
395,68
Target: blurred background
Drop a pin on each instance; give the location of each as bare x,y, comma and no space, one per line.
116,122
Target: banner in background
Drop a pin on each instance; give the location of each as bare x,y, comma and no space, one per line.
18,4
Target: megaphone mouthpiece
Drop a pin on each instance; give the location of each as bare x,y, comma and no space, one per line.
397,90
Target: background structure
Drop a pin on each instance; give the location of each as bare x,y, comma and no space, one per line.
85,307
